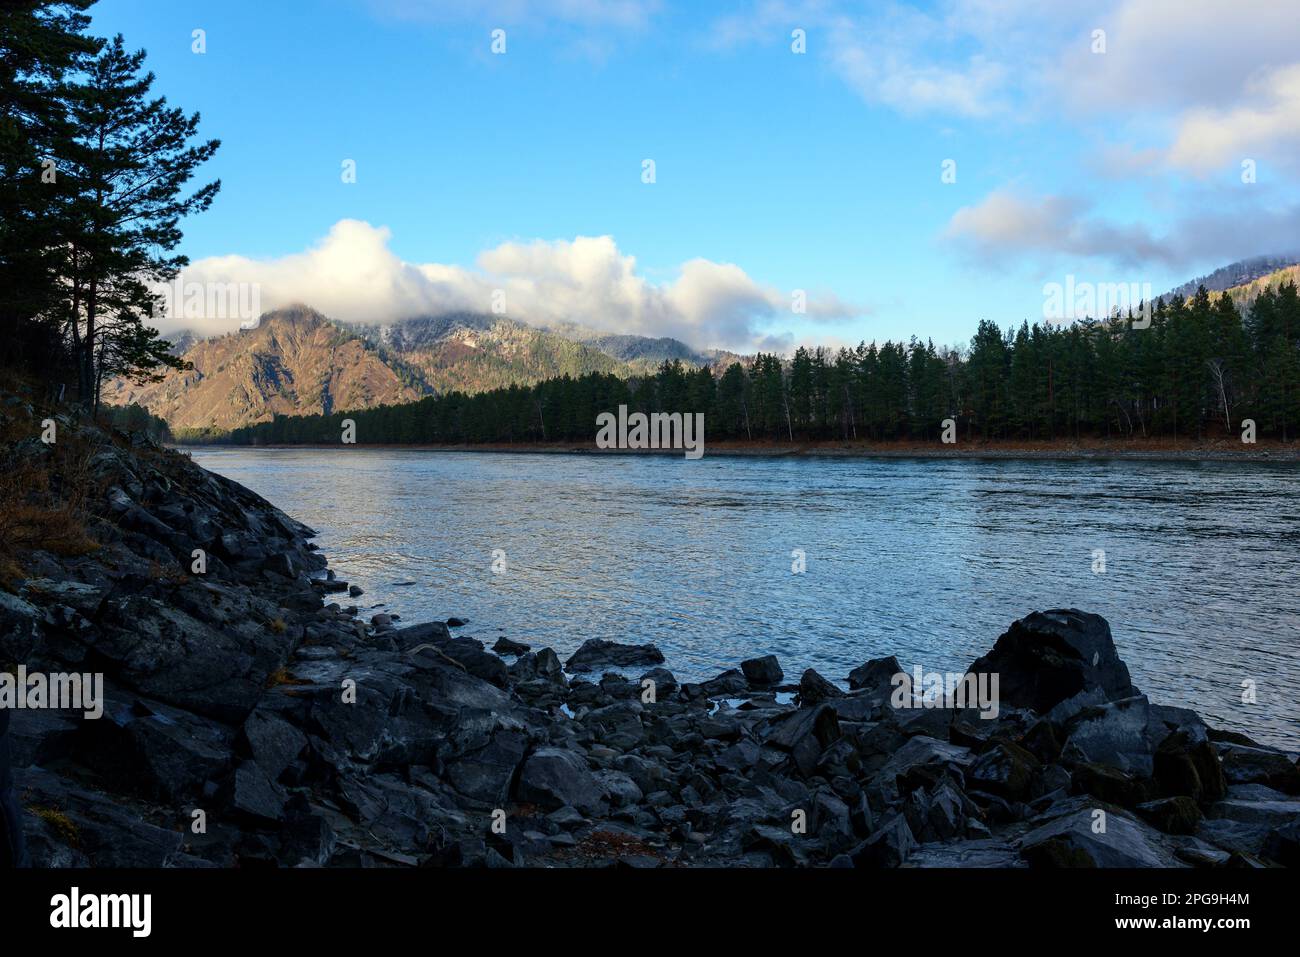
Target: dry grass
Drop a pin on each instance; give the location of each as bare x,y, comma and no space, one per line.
63,825
283,676
42,507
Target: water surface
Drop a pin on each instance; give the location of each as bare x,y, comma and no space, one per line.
928,559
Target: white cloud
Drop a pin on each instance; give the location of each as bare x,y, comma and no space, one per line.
353,276
1205,80
1210,139
1006,225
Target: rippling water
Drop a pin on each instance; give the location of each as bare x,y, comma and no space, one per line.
926,559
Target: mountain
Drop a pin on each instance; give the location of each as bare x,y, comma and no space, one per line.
297,361
472,352
294,361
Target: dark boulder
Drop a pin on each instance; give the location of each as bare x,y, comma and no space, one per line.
814,689
876,676
599,653
505,646
763,671
1049,657
553,778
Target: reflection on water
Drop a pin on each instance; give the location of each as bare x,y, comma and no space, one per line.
926,559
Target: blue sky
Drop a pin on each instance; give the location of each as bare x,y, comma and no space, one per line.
775,171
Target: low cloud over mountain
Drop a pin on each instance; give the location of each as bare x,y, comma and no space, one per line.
352,275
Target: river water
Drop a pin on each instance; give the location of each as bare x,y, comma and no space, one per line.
928,559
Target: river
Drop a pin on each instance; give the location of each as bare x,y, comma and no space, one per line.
928,559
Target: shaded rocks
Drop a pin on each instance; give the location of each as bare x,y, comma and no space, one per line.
597,653
889,846
505,646
1246,764
255,795
1174,815
805,734
273,742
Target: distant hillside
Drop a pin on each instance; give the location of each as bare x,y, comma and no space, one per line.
295,362
1243,273
1245,294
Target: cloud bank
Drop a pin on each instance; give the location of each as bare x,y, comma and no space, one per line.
352,275
1007,225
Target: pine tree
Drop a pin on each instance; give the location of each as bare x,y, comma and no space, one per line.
129,161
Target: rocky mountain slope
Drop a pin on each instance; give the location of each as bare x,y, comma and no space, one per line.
298,362
248,722
294,362
472,352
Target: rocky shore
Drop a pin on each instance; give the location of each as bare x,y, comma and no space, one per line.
249,719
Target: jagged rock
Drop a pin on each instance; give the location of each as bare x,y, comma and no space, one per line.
890,846
805,734
763,671
71,826
599,653
1243,764
814,689
255,795
920,751
1048,657
1005,770
1073,840
876,676
1272,810
485,774
273,742
1114,734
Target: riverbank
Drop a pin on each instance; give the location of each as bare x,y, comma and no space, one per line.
252,715
1151,450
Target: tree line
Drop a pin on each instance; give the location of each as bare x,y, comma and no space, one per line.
1200,368
95,178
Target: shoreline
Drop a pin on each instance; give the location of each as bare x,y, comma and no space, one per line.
1273,452
314,738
